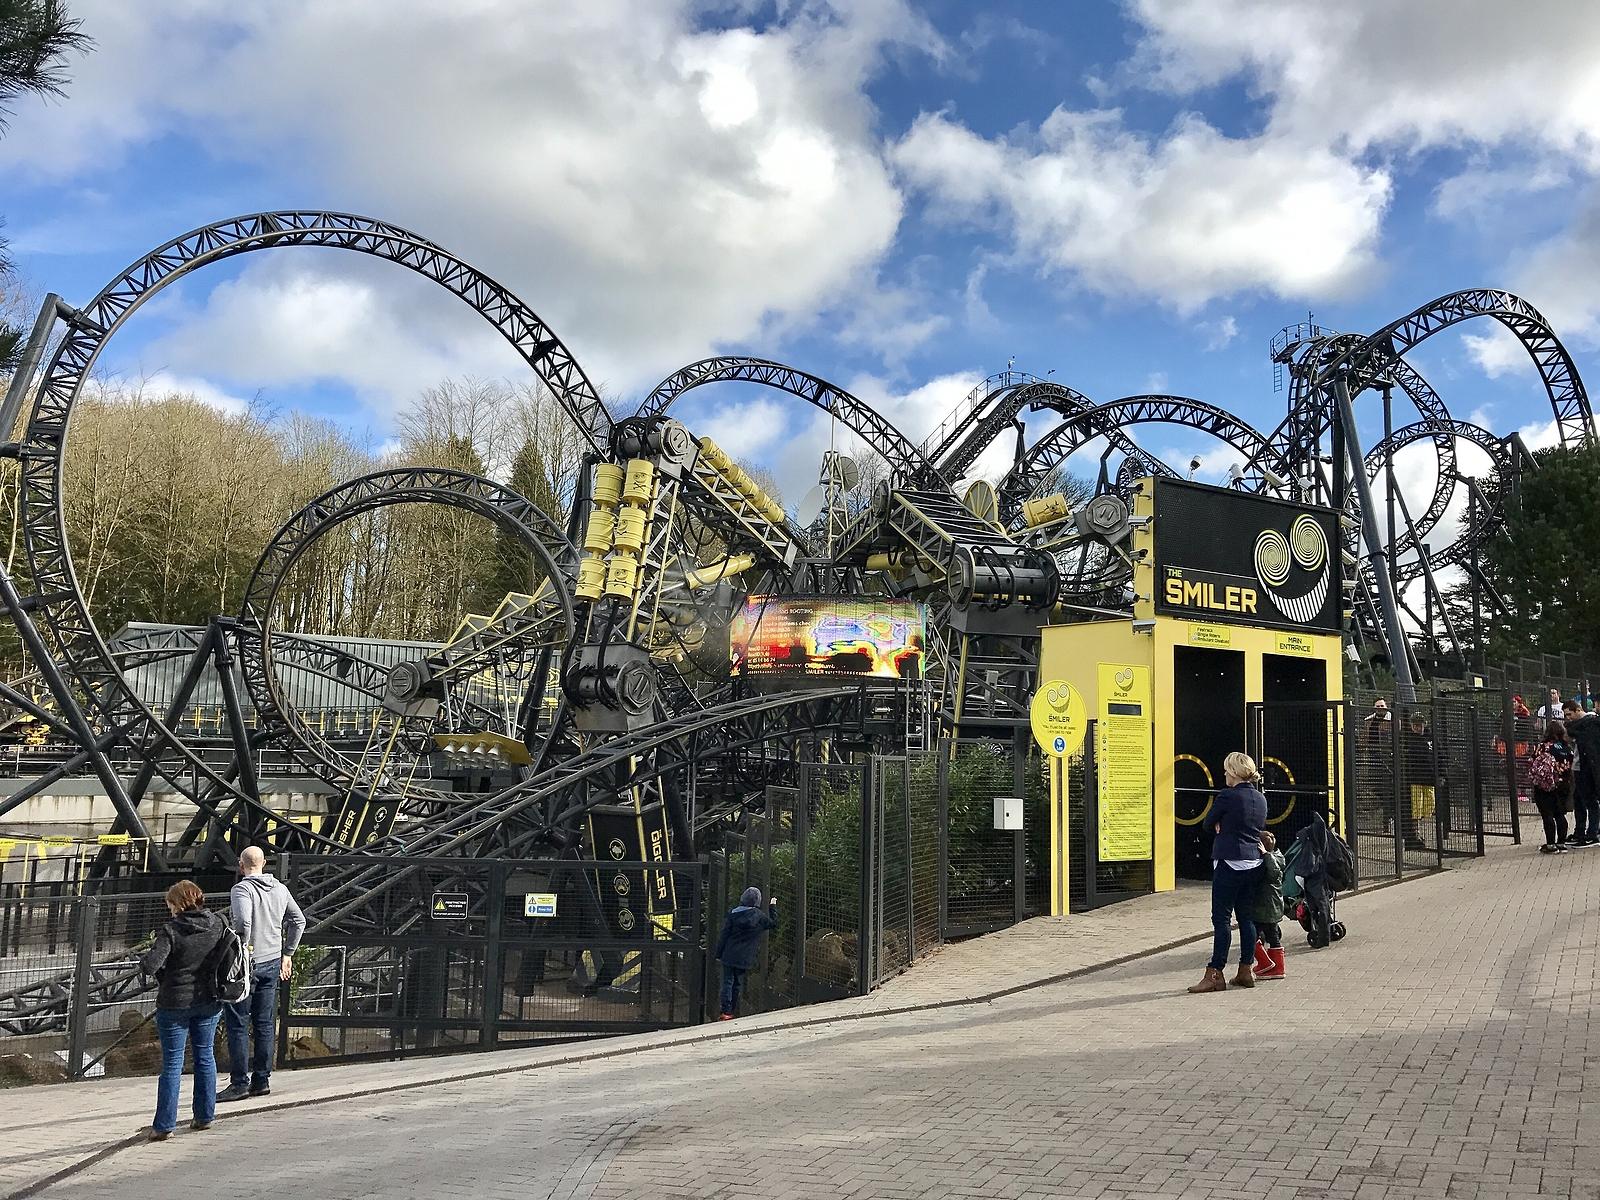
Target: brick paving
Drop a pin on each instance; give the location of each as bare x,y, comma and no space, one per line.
1443,1050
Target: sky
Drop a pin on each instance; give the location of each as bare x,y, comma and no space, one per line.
901,197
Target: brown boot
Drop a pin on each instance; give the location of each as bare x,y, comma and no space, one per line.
1244,978
1213,981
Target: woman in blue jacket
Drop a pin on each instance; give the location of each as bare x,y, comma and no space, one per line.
742,932
1237,819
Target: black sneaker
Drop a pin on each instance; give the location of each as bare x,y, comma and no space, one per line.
234,1091
263,1090
1547,848
159,1135
199,1126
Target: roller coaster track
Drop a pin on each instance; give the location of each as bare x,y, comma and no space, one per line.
56,600
693,736
902,454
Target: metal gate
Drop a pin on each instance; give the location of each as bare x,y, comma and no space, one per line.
1298,746
901,885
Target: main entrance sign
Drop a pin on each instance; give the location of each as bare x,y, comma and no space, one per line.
1225,555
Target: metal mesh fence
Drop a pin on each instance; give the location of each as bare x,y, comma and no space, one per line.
73,1001
891,893
923,799
436,955
1434,779
982,875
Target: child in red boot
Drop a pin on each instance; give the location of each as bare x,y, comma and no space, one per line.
1269,911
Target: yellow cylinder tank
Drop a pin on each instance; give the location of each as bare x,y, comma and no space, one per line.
607,484
629,533
597,534
639,485
1041,510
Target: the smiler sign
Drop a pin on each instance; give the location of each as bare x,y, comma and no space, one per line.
1232,556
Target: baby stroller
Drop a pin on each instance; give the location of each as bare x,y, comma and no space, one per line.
1316,869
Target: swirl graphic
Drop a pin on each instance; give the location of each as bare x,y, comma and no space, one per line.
1310,544
1272,558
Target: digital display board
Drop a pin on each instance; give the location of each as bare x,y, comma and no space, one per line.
1227,555
793,639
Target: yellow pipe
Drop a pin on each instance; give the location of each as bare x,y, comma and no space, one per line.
714,572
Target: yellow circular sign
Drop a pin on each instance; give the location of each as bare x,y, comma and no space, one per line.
1059,718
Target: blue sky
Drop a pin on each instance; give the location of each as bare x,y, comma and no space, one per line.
900,197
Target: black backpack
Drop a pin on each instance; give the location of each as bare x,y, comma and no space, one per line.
1341,864
230,966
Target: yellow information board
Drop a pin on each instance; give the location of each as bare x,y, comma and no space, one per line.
1059,717
1210,635
1296,643
1123,764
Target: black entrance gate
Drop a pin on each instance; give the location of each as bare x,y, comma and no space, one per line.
1298,746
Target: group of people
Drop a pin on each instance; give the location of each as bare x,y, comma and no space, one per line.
1419,771
1246,879
1563,773
184,959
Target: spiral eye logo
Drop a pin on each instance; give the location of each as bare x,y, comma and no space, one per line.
1272,558
1308,541
1303,552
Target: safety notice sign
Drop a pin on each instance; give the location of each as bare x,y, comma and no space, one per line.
1123,761
449,906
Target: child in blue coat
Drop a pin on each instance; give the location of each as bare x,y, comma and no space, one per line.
742,932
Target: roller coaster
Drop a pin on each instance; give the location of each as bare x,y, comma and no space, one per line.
667,539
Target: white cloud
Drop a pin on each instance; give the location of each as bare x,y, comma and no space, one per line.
163,383
1219,334
1373,73
747,430
1185,218
651,184
1496,351
293,319
1294,209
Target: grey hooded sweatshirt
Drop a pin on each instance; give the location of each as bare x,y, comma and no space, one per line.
268,920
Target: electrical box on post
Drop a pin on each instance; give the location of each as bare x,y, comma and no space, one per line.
1008,812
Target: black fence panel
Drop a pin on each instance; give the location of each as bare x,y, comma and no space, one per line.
985,886
73,1001
445,954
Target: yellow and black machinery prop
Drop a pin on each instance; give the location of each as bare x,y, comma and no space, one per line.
1234,642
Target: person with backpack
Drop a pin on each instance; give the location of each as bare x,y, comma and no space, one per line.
183,960
270,924
1584,730
742,932
1550,779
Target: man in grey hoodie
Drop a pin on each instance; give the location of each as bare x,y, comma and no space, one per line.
270,924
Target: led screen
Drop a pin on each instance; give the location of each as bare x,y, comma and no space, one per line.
827,638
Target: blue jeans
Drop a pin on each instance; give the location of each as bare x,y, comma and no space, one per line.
732,984
177,1027
1585,807
254,1014
1232,892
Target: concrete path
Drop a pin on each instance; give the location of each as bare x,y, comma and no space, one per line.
1443,1050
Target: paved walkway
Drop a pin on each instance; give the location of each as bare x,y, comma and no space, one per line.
1443,1050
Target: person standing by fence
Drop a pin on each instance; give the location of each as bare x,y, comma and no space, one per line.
1237,819
1584,729
1550,779
183,959
742,932
270,924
